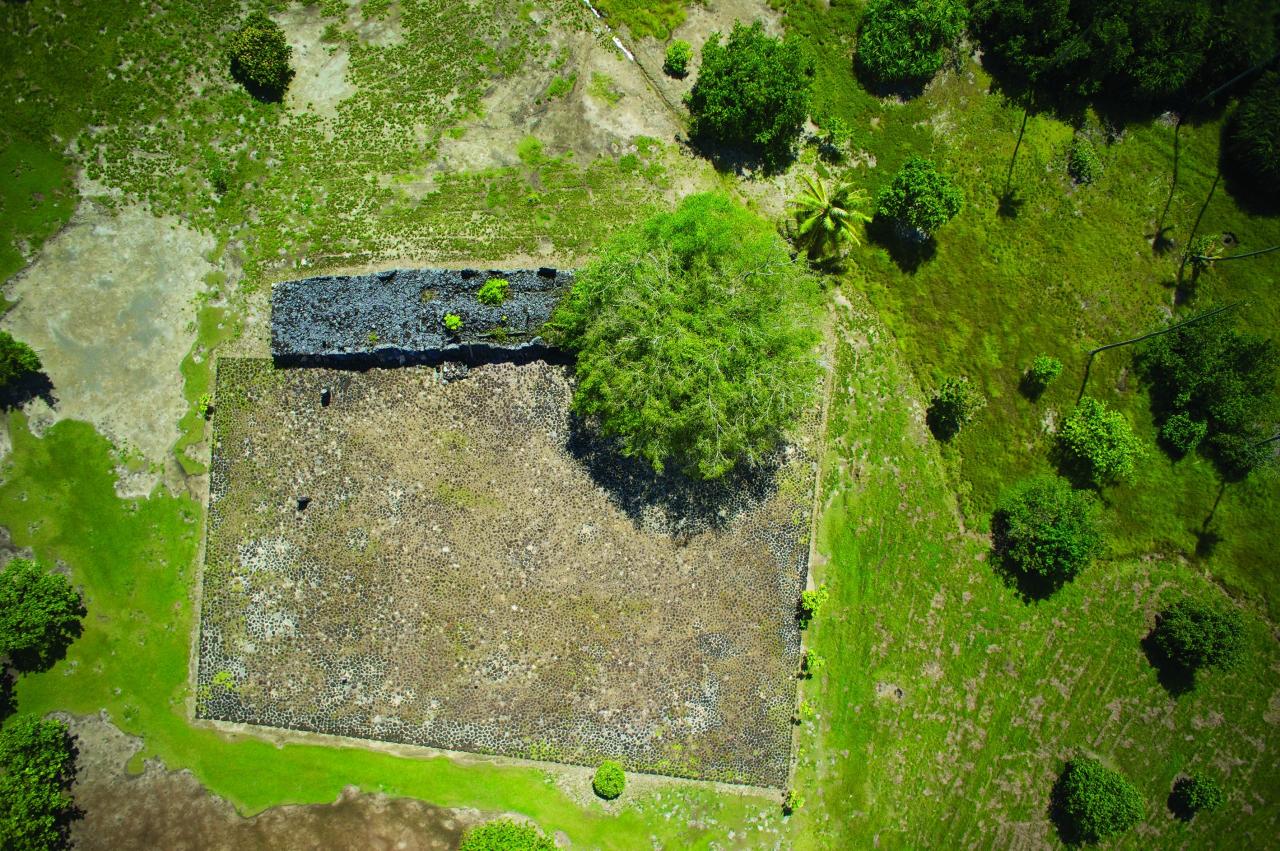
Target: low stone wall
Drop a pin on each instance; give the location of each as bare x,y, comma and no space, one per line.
396,318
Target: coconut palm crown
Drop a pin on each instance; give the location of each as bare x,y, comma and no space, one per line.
824,220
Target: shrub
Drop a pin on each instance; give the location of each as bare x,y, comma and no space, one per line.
676,63
920,198
452,323
260,57
39,614
1253,142
1201,254
1043,370
1046,531
506,835
752,91
1099,443
811,602
493,291
1092,802
812,663
35,768
953,407
1182,433
694,336
17,360
1194,793
907,41
609,780
1082,161
791,802
1195,634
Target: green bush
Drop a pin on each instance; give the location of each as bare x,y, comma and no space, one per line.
493,291
1099,443
561,86
39,614
953,407
677,59
907,40
1238,456
1194,793
811,602
506,835
35,769
260,57
17,360
752,91
694,333
1082,161
452,323
812,663
1195,634
1183,433
1046,531
1092,802
1253,142
609,780
1043,370
920,198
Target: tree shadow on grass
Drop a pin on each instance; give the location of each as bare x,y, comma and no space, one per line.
8,700
1068,830
30,386
670,502
1176,679
1030,587
908,250
739,160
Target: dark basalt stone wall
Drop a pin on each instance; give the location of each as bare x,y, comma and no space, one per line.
396,318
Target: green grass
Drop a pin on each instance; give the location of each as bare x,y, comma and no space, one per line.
214,325
134,561
36,198
995,692
655,18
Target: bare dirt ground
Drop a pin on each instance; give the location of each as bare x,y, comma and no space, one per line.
171,810
472,573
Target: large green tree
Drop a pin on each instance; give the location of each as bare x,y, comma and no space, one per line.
35,768
39,614
1098,444
907,41
1092,802
17,360
1045,531
919,198
752,91
260,57
694,333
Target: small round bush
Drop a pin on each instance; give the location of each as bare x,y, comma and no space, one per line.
1253,142
954,407
260,57
1194,793
919,198
811,602
907,40
452,323
506,835
17,360
1082,161
676,63
609,780
1045,530
1195,634
1092,802
1043,370
1099,443
1183,433
493,291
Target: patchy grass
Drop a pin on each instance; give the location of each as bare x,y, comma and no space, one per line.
948,705
655,18
36,198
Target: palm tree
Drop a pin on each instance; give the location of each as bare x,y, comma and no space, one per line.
825,220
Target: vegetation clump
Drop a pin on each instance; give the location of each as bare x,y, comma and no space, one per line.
17,360
1182,433
1196,792
493,291
920,199
752,91
694,333
811,602
907,41
1046,532
452,323
1042,372
39,614
1082,161
1098,444
1195,634
609,780
1253,143
506,835
953,407
1092,802
676,61
260,57
35,769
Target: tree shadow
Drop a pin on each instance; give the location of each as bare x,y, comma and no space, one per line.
903,89
1249,193
1177,802
1068,830
262,94
669,502
740,160
1176,679
23,389
1030,587
1008,204
44,657
1030,388
8,700
908,250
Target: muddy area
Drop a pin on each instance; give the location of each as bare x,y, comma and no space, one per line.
457,564
172,810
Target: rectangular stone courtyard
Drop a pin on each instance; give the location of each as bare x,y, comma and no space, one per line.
474,571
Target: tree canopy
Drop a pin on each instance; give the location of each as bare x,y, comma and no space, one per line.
694,333
1098,443
1046,531
39,614
260,57
752,91
1092,802
907,41
920,197
506,835
17,360
1195,634
35,768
